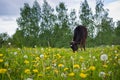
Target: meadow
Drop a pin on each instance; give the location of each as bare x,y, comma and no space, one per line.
99,63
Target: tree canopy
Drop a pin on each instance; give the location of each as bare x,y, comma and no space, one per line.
42,25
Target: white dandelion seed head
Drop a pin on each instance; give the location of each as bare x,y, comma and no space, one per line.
112,45
54,64
6,63
104,57
42,49
63,75
94,57
9,43
29,79
118,61
71,58
115,51
18,48
25,56
15,53
90,55
42,56
102,74
83,67
96,60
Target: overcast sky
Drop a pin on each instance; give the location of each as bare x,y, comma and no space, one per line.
10,10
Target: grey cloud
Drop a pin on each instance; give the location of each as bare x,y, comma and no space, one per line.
12,7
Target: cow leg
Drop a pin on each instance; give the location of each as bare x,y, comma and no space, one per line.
81,44
84,44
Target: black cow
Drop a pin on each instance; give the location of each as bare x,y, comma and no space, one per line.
80,35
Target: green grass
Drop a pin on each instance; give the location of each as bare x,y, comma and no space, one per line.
60,64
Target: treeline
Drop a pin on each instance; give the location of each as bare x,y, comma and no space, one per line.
42,25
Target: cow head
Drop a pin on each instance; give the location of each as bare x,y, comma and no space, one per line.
74,46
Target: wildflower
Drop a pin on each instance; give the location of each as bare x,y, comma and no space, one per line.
15,53
1,55
26,62
116,55
6,64
46,56
118,61
102,74
105,66
54,65
27,71
40,75
104,57
94,57
76,66
35,70
1,60
83,67
47,68
41,56
71,74
72,58
56,71
9,43
65,69
63,75
37,58
115,51
83,75
25,56
18,48
60,65
81,58
92,68
59,56
29,79
3,71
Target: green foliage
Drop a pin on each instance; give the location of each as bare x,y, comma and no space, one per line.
4,38
117,34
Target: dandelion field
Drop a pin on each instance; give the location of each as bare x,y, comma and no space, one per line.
99,63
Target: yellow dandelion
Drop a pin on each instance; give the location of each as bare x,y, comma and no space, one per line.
34,61
26,62
47,68
46,56
37,58
1,55
35,70
3,71
59,56
105,66
65,69
116,55
81,59
1,60
54,61
27,71
82,75
40,75
76,66
60,65
92,68
56,71
71,74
